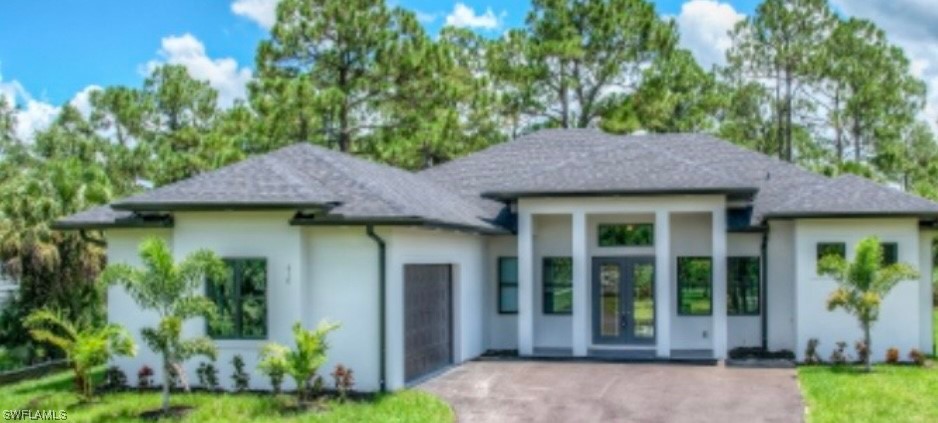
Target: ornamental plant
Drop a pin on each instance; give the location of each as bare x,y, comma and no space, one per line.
863,284
301,363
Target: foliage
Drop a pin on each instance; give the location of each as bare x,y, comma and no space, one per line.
304,361
208,376
274,363
811,355
52,393
862,351
114,378
85,346
240,377
839,355
917,357
344,380
173,292
863,283
892,355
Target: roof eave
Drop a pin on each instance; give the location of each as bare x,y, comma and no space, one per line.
215,206
393,221
135,223
844,215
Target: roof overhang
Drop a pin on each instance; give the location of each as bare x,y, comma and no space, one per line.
218,206
412,221
136,221
925,215
732,193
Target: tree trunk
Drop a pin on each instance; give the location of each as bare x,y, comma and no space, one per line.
869,347
166,370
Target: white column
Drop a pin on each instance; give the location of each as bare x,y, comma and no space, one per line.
581,326
663,283
719,283
926,336
525,284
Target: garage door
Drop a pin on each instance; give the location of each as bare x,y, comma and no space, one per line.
428,337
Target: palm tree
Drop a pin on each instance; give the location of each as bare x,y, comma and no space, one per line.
85,346
172,291
863,284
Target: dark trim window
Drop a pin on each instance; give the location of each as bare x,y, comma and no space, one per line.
742,286
508,285
825,249
694,286
890,253
626,235
558,285
241,300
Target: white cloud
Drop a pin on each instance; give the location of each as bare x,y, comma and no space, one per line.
31,115
705,26
82,100
464,16
426,17
263,12
222,74
910,24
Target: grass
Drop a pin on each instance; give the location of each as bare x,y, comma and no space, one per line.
892,393
55,393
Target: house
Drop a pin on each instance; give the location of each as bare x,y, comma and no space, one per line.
560,243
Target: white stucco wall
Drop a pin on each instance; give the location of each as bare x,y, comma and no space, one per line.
690,236
466,254
745,331
900,316
502,330
780,293
552,238
342,285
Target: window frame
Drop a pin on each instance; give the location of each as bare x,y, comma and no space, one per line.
545,277
895,259
680,292
758,285
601,226
238,323
502,284
817,253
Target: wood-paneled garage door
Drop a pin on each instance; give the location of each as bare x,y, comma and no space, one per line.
428,319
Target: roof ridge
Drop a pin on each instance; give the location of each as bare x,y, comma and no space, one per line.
658,149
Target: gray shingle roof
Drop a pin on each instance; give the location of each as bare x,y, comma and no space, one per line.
462,193
303,176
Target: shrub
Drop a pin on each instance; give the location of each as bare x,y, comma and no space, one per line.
240,377
145,377
114,378
862,351
917,357
344,380
208,376
810,353
309,355
839,355
273,363
892,355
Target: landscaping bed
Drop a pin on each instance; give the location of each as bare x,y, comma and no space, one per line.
56,392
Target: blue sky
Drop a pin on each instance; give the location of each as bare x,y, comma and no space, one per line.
56,51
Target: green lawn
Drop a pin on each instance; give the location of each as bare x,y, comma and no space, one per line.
892,393
54,393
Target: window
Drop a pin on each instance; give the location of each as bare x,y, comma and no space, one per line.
742,286
890,253
508,285
558,285
241,300
626,235
825,249
694,287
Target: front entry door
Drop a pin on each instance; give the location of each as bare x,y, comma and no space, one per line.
623,300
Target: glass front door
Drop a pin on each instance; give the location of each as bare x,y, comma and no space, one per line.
623,300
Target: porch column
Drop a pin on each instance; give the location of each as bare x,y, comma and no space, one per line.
719,283
663,283
581,326
525,284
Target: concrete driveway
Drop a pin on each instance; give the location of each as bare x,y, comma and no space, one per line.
540,391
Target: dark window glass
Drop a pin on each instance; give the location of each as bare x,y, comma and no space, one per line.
694,287
890,253
241,301
825,249
626,235
508,285
558,285
742,288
